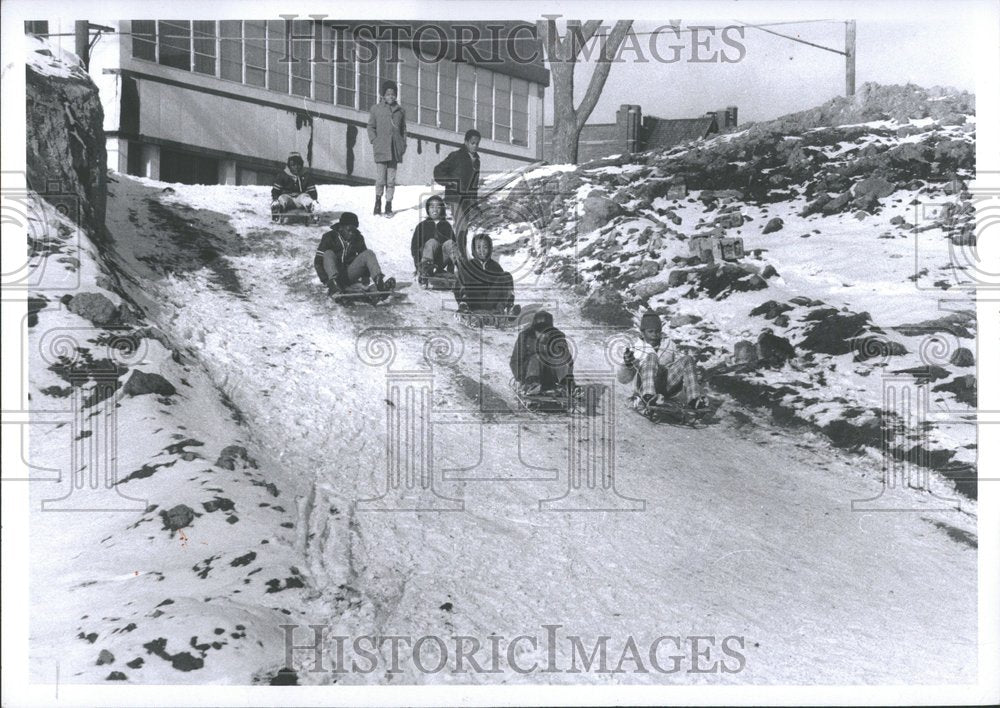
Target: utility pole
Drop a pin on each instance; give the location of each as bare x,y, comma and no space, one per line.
83,42
850,34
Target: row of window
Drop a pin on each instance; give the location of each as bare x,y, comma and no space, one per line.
449,95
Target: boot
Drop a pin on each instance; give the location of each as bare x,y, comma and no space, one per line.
388,207
383,284
378,206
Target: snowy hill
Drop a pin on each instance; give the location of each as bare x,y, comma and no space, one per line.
221,432
854,234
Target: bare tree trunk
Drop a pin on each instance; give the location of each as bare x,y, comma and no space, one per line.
562,52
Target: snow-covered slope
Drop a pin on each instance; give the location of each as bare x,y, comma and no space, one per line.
858,229
740,529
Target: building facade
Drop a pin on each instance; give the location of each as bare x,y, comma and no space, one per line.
224,102
633,132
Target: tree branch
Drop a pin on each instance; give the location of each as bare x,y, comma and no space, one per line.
601,70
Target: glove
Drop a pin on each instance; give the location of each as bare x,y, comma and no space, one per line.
628,358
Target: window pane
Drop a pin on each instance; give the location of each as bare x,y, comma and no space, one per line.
367,84
144,39
519,115
408,72
446,87
501,109
277,70
386,68
231,50
302,53
346,81
466,97
203,36
256,56
428,94
325,77
175,43
484,103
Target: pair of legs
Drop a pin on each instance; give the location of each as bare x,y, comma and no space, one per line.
678,377
385,180
361,271
287,202
442,256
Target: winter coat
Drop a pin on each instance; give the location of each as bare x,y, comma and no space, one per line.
459,175
287,183
387,132
554,352
426,230
346,243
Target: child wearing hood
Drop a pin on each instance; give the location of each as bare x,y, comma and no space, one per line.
482,285
660,372
542,359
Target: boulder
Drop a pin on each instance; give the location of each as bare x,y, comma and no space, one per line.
644,291
837,204
598,210
834,332
682,320
105,657
141,383
875,186
773,350
231,454
876,347
964,388
745,352
646,270
677,277
94,307
962,357
773,225
178,517
606,306
770,309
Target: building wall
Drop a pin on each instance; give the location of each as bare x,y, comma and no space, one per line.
599,140
148,104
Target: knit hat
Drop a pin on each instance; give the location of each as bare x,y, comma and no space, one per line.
389,84
650,320
542,320
294,157
349,218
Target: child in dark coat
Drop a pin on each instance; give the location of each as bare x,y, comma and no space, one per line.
344,260
482,285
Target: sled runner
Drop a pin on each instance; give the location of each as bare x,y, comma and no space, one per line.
584,399
673,411
477,319
441,281
300,217
371,296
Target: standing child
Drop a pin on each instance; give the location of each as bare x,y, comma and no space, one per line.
387,134
459,175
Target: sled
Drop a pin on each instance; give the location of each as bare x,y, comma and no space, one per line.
299,217
677,413
584,399
441,281
486,318
371,296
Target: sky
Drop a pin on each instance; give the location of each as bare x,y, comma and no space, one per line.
773,76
